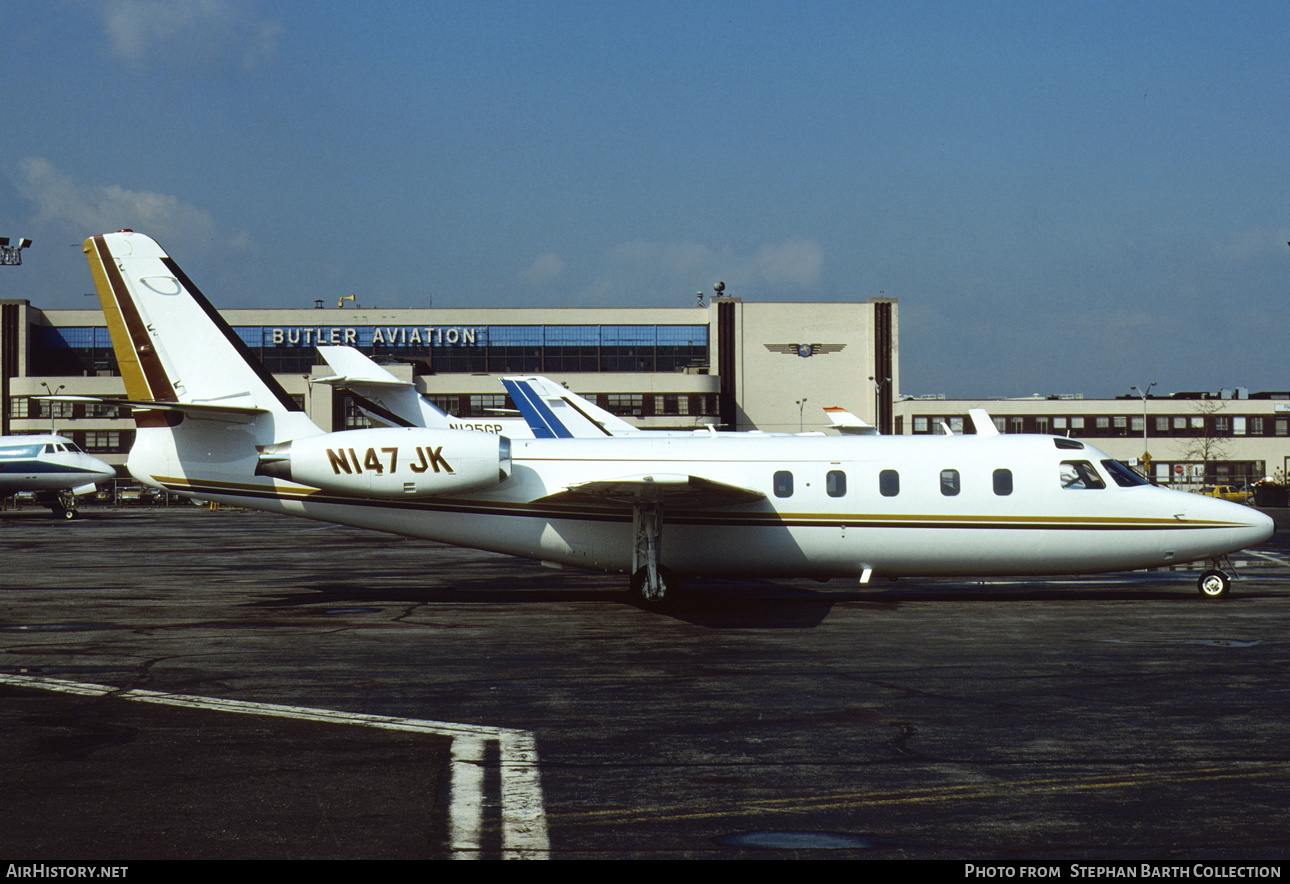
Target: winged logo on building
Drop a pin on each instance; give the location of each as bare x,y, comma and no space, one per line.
804,350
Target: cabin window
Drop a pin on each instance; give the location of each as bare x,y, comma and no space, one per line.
1124,475
1080,474
1003,482
835,483
783,483
889,483
949,482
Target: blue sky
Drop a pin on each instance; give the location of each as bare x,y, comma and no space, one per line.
1072,197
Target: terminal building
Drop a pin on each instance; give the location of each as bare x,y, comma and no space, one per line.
730,364
1186,439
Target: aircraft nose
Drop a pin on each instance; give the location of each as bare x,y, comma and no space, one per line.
103,471
1261,526
1248,525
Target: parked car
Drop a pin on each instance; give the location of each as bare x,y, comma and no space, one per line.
1234,493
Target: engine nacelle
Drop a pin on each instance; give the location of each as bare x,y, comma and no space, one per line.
391,462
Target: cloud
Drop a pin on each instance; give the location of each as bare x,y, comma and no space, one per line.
796,262
546,268
89,209
145,32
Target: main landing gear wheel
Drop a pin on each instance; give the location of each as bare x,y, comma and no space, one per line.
665,592
1214,584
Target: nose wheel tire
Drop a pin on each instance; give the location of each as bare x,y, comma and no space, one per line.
1214,584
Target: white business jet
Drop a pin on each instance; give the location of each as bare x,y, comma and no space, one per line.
214,423
51,466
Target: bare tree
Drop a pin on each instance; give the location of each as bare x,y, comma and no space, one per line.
1208,444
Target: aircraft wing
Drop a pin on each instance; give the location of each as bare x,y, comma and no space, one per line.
670,489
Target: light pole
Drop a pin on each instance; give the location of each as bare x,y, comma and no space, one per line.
801,407
1146,453
50,392
12,255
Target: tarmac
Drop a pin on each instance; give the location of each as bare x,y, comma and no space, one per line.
182,683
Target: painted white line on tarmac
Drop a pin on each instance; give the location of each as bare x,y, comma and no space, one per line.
523,822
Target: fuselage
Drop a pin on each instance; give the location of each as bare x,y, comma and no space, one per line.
47,463
832,506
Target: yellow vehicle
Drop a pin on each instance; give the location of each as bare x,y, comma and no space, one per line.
1234,493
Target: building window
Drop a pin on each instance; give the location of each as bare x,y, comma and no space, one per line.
920,425
1256,426
1222,425
1238,426
1059,423
1017,425
487,404
1281,426
835,483
1162,425
18,407
671,404
1137,425
956,425
102,440
889,483
783,483
625,404
1041,425
1180,423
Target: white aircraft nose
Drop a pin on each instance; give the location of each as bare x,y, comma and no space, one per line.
1245,526
103,471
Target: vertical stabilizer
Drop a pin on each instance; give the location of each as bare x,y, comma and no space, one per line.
380,395
171,344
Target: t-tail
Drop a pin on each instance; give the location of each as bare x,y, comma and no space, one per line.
202,401
212,422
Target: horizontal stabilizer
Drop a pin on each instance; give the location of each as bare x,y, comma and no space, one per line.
671,489
203,410
848,424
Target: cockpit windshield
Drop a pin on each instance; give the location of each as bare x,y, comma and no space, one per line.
1124,475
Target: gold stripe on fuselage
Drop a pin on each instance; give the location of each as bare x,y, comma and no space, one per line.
707,518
